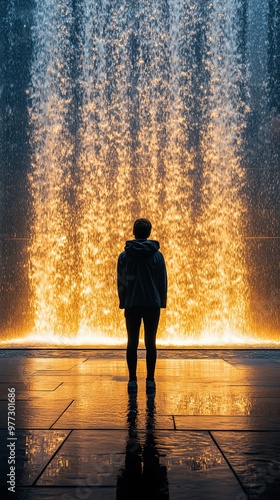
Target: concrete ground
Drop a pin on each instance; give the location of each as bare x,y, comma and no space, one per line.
212,431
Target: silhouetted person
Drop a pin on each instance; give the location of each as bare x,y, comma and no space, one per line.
143,477
142,289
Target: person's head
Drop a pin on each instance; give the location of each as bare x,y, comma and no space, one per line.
142,229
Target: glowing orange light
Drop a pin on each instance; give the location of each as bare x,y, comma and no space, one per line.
84,209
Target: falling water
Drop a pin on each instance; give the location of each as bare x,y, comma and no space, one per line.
137,110
52,252
222,273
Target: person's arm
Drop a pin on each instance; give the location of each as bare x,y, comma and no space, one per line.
121,281
162,282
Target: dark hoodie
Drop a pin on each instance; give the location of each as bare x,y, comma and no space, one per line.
142,279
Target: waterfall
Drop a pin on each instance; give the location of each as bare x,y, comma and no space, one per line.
137,110
222,280
52,250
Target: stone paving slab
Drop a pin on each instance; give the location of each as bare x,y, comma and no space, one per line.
219,403
211,431
255,457
88,457
31,365
218,422
241,363
192,464
34,414
28,395
194,400
23,383
81,415
61,493
34,449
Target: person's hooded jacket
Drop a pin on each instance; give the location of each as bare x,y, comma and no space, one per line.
142,278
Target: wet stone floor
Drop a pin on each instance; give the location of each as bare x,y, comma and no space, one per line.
211,431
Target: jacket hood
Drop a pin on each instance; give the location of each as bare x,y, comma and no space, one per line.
141,248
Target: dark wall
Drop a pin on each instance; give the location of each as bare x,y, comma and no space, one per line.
263,190
15,60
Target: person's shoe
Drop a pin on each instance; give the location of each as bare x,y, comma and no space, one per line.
132,387
150,387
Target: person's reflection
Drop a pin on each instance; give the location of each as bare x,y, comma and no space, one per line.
143,477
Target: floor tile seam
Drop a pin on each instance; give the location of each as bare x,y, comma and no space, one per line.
217,429
42,398
50,373
165,429
68,406
40,390
34,390
228,463
221,350
86,429
52,457
274,405
57,387
31,398
217,415
37,429
60,370
110,429
250,371
68,375
244,366
271,431
22,487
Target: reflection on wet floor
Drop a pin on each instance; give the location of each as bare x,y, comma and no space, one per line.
143,476
34,450
212,430
255,457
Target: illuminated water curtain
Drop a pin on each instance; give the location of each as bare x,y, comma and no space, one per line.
137,110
